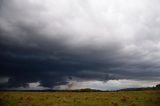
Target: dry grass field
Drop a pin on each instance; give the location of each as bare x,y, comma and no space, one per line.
122,98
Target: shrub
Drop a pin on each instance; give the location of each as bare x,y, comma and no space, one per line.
158,86
114,104
124,99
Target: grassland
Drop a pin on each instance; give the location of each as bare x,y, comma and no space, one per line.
122,98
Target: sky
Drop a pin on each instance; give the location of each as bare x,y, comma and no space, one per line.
73,44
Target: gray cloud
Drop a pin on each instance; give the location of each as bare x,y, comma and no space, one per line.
51,41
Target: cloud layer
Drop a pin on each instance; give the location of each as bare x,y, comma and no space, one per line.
52,41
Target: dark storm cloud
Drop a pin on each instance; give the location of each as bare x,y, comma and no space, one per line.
52,42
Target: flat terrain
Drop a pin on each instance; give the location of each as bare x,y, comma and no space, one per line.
122,98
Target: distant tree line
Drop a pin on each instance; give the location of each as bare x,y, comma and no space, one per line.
157,87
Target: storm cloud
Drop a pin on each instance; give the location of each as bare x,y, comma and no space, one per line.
55,42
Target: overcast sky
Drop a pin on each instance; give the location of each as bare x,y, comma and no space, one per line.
71,44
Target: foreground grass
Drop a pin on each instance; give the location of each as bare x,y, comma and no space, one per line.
123,98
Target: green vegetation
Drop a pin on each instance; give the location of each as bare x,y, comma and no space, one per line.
119,98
